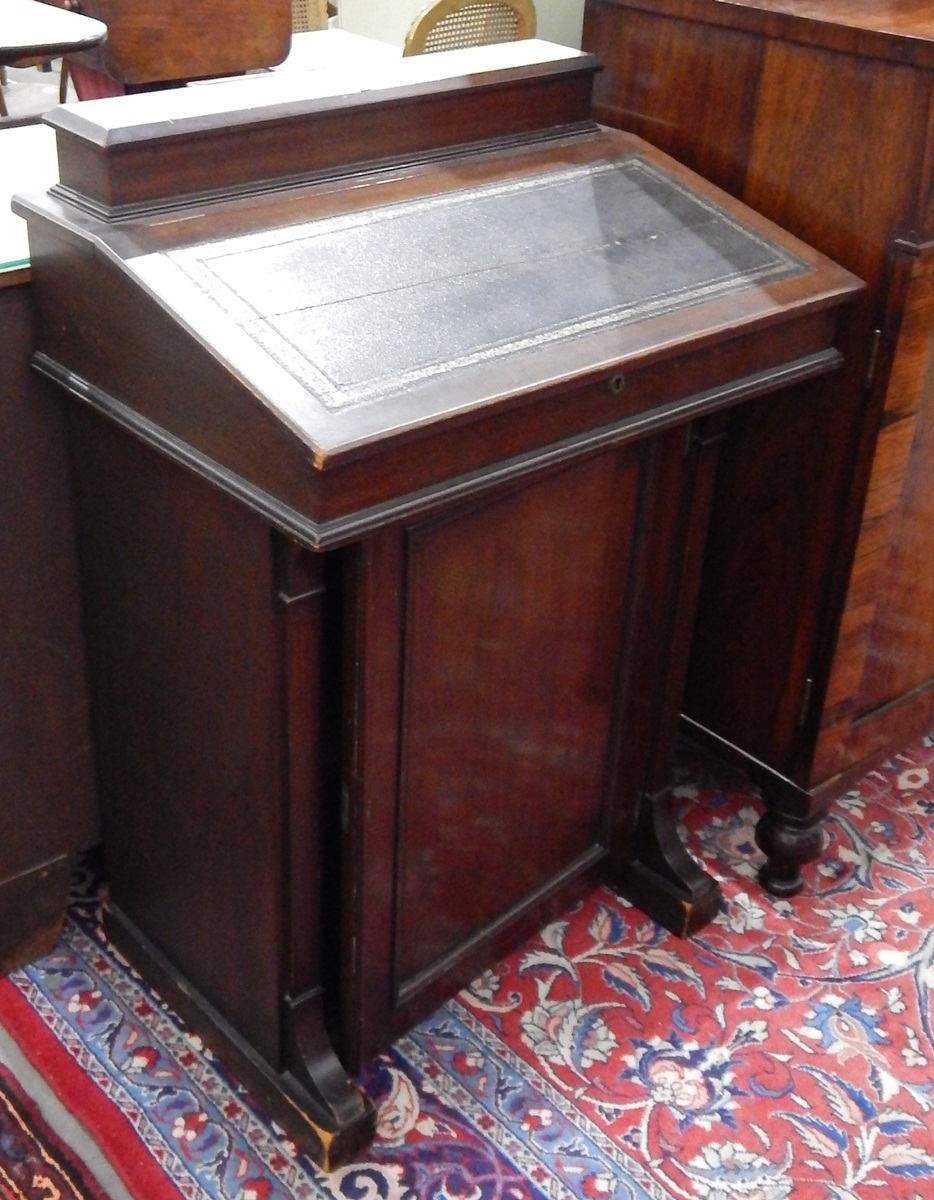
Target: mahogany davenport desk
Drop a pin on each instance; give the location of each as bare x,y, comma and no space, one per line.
394,428
814,654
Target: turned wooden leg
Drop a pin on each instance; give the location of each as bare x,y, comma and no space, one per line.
789,843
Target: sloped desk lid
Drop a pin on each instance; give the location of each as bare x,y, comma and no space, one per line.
371,312
337,349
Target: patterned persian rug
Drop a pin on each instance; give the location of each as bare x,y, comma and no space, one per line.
785,1053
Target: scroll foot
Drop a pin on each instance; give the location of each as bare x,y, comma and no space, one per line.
344,1117
312,1098
662,878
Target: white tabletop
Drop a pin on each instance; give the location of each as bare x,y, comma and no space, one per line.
329,49
390,20
28,28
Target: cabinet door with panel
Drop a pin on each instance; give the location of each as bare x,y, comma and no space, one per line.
499,649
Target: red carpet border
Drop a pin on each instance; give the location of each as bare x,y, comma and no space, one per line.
785,1053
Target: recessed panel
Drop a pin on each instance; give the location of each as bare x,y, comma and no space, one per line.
513,620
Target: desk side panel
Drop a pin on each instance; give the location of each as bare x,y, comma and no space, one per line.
185,661
49,806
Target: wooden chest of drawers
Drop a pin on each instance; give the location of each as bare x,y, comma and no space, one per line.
814,654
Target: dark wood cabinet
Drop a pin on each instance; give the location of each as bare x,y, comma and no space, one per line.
48,805
814,654
392,483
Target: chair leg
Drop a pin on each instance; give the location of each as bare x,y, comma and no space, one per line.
63,82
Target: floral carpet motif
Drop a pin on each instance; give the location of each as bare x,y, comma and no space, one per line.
786,1052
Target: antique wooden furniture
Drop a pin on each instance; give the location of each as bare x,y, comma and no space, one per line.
395,419
158,42
811,661
455,24
47,803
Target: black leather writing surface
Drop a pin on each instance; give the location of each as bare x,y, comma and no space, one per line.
363,305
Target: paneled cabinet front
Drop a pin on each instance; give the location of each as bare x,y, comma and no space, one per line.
493,652
337,785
